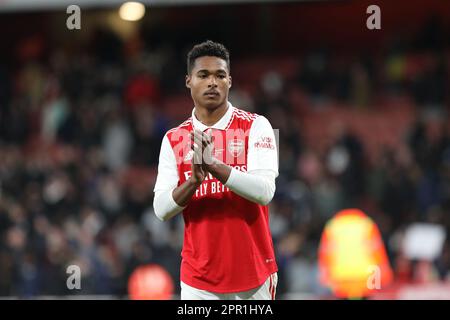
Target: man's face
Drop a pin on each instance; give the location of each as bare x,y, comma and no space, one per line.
209,82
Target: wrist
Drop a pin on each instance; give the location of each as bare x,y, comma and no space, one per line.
194,182
213,166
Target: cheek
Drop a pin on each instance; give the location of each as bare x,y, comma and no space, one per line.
195,88
199,85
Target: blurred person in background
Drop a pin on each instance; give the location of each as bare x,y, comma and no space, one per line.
81,123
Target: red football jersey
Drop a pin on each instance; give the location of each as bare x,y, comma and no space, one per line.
227,241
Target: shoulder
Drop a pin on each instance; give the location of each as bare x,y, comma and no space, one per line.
249,120
244,115
242,119
255,120
186,125
178,133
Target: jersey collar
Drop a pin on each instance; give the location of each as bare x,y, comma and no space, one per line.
220,125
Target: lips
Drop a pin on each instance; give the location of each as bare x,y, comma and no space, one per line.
211,93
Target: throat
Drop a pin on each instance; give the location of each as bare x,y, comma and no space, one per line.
210,117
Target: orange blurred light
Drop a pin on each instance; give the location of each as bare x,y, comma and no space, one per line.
150,282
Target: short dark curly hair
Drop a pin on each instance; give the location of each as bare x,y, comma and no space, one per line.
207,48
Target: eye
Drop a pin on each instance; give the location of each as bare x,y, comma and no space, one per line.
202,76
222,76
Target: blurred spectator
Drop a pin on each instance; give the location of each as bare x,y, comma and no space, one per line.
79,130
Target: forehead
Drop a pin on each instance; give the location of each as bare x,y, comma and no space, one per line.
209,63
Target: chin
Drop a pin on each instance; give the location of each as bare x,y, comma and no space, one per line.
211,105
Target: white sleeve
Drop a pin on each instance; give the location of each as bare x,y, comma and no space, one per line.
256,186
164,205
262,151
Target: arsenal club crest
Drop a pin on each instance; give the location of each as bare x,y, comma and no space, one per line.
235,147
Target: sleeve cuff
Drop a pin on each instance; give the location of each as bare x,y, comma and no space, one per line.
232,177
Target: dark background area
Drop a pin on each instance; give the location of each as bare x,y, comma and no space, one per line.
362,114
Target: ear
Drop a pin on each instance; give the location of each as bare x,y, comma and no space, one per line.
188,81
229,82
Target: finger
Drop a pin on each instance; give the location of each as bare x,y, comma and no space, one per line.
198,135
195,142
197,156
196,159
210,136
203,137
193,145
197,149
198,139
205,142
207,136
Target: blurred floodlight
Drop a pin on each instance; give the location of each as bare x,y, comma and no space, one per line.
132,11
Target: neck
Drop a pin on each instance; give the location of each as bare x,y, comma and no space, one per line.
210,116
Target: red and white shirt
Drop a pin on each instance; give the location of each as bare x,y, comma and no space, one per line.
227,241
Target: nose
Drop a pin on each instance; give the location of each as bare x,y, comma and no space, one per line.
212,82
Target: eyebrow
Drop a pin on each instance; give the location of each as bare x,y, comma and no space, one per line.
207,71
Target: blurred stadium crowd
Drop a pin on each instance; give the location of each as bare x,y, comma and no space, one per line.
80,136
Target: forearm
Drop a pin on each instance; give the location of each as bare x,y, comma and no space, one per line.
169,203
258,187
184,192
219,170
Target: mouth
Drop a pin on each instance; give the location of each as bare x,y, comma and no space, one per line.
211,94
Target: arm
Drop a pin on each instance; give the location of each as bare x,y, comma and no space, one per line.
184,192
169,199
258,184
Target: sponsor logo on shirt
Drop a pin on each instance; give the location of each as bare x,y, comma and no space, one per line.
211,186
265,143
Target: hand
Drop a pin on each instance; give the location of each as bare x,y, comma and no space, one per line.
198,174
205,144
203,147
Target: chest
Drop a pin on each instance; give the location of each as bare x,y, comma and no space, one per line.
230,147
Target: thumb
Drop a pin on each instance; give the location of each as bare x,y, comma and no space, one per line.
210,135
